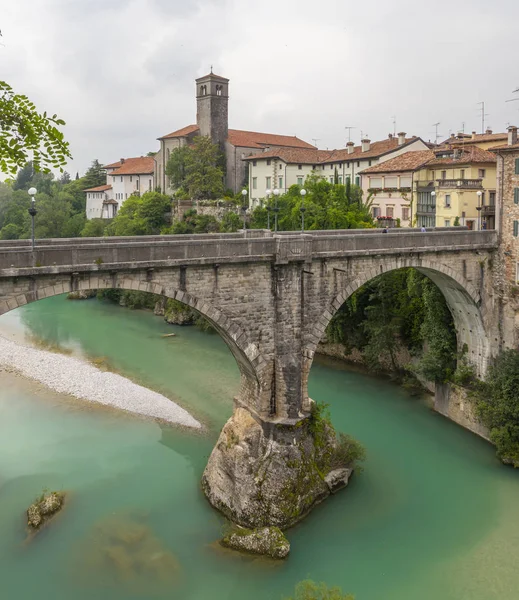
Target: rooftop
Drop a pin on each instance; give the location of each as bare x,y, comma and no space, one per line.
409,161
376,149
99,188
140,165
468,155
306,156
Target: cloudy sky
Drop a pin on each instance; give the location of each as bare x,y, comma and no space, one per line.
121,72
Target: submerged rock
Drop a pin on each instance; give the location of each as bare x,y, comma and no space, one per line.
272,474
267,541
44,509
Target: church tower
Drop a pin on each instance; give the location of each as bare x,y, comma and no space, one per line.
212,107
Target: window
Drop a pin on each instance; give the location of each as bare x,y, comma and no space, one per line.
462,173
340,179
516,195
390,182
121,178
492,198
447,200
254,163
300,167
299,181
375,182
369,165
149,185
432,174
358,163
405,213
405,181
390,211
254,183
517,166
516,272
113,179
137,184
516,228
313,167
281,182
218,90
331,178
348,165
268,182
357,180
331,166
269,162
376,212
481,173
447,222
444,174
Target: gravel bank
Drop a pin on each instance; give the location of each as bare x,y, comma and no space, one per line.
72,376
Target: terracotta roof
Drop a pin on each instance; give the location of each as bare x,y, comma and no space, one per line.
99,188
140,165
409,161
114,165
470,154
306,156
478,138
376,149
254,139
180,132
505,147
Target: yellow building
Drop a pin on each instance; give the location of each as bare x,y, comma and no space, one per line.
485,141
457,186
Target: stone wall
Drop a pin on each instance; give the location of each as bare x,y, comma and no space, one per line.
453,402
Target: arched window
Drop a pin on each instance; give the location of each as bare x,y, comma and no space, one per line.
218,90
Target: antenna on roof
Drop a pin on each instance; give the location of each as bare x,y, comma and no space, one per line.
349,132
394,126
483,115
435,125
315,140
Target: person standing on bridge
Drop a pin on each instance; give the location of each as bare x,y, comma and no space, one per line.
422,229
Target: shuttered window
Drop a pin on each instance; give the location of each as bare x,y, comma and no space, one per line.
516,195
517,166
516,228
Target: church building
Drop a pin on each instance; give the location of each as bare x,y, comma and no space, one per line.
212,120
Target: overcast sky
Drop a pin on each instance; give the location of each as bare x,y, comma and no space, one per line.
121,72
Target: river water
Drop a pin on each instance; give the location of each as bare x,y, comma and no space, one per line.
433,516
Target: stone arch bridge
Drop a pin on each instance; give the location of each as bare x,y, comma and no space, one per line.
269,296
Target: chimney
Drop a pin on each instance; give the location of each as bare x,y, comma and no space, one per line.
351,147
488,132
122,161
474,135
366,144
401,138
390,136
512,135
453,135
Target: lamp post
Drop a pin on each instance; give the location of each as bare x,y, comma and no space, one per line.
244,209
302,209
276,210
32,210
268,193
478,208
433,196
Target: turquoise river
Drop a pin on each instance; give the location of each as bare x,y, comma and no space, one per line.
433,516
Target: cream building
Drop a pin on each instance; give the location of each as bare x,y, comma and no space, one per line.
282,167
123,178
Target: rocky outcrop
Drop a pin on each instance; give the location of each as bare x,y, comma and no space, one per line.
82,295
338,479
267,541
271,474
44,509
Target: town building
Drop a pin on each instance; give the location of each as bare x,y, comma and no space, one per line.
457,186
390,186
212,115
485,141
126,177
507,217
281,167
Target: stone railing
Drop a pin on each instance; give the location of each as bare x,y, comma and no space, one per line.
472,184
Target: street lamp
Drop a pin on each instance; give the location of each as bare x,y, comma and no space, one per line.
244,208
433,196
276,210
268,193
32,210
479,207
302,209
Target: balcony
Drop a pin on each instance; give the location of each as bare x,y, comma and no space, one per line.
426,209
488,210
461,184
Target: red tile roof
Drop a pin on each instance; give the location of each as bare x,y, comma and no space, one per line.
181,132
306,156
376,149
141,165
254,139
409,161
113,165
470,154
478,138
99,188
505,147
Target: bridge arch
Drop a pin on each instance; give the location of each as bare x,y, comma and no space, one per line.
463,301
254,381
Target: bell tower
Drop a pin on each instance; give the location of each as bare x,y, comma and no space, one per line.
212,107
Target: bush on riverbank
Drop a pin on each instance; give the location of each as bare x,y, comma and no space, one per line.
497,405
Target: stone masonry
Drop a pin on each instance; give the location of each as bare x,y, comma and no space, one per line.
269,296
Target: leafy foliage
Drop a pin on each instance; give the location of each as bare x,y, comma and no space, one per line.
26,134
141,215
310,590
497,405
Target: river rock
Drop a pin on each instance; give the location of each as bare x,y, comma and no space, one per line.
270,475
267,541
44,509
81,295
338,479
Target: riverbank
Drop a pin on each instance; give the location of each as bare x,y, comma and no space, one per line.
82,380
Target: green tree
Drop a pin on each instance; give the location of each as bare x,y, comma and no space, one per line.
53,214
94,228
26,134
94,176
192,222
141,215
176,168
310,590
24,177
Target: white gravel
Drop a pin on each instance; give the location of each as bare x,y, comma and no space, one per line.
80,379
